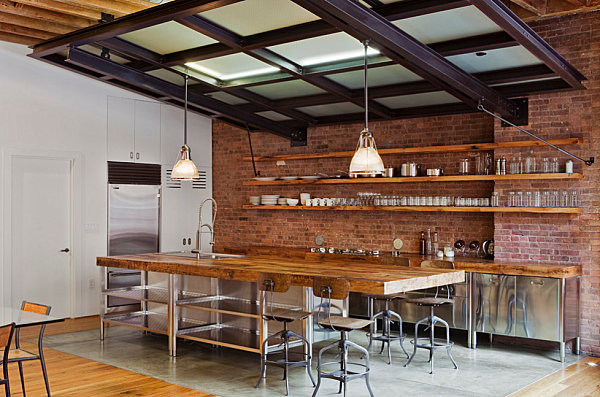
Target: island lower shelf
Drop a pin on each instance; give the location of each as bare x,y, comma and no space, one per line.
529,210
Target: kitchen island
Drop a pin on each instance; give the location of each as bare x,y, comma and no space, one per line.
223,297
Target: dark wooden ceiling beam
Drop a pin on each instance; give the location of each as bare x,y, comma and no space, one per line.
363,23
142,19
269,57
164,88
528,38
13,8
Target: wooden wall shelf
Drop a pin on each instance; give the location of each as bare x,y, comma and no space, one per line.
415,179
473,147
529,210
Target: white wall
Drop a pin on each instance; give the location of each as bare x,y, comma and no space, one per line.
44,107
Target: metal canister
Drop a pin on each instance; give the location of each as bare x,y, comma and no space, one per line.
405,169
503,166
498,166
413,169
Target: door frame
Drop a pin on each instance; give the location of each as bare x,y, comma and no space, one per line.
75,196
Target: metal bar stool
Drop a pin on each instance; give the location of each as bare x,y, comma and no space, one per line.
430,343
6,334
335,288
270,282
387,316
19,355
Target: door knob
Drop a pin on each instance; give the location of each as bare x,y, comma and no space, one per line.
65,250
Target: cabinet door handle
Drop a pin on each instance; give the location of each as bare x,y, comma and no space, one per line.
131,155
137,155
184,241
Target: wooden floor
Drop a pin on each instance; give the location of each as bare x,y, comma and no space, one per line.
73,376
577,380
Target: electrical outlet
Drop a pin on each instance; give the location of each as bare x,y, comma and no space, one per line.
92,283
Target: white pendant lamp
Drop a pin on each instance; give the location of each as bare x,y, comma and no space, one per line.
366,160
185,169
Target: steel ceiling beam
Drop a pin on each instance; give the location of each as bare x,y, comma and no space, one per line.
269,57
139,20
164,88
363,23
528,38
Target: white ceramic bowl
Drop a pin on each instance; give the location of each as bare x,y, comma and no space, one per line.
291,201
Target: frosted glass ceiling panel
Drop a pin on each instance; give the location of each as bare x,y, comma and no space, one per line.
233,66
286,89
448,25
331,109
416,100
256,16
385,75
502,58
274,116
322,49
167,37
227,98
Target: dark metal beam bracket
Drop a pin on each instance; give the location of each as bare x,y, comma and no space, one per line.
299,138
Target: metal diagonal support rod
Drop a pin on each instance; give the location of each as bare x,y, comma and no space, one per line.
151,83
364,23
528,38
232,39
531,134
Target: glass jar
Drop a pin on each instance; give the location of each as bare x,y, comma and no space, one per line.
564,199
495,199
546,166
555,164
574,199
528,200
511,199
537,199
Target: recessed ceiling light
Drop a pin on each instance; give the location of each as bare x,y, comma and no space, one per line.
231,76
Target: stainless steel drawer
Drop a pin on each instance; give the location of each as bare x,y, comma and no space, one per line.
494,303
537,308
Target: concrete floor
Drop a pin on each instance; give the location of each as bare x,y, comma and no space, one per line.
496,370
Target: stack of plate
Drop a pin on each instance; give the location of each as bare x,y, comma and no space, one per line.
254,200
282,201
269,199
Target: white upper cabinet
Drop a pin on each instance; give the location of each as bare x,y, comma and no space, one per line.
199,136
134,129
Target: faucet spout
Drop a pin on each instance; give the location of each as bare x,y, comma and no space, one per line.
207,225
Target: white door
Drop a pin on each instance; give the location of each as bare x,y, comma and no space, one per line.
120,129
41,232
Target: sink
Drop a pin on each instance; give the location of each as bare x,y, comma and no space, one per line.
204,255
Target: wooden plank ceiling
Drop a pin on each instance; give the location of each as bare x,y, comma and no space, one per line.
32,21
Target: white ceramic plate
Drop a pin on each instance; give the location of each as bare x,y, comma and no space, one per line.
289,178
264,178
306,177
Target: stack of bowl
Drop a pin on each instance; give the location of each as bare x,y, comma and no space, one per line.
282,201
254,200
269,199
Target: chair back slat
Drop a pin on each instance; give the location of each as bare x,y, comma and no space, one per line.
437,264
6,333
35,308
331,287
274,282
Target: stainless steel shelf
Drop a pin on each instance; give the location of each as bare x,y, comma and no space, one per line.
140,293
147,321
223,335
222,304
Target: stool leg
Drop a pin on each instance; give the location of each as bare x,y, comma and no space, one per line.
432,339
416,340
21,377
263,358
323,350
400,331
448,345
285,372
372,318
368,367
345,360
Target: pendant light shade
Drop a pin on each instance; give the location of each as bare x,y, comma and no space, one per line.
366,160
185,169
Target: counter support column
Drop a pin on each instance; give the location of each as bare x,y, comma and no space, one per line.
172,315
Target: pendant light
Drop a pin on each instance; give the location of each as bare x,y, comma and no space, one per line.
185,169
366,160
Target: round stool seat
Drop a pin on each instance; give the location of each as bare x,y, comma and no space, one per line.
344,323
430,301
385,297
287,315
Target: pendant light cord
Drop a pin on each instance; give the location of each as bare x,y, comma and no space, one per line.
251,151
185,109
531,134
366,89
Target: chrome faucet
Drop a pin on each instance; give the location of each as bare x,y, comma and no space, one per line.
208,226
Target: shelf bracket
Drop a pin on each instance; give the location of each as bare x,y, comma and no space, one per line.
481,107
298,138
251,151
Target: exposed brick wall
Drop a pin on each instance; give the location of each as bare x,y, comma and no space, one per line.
518,237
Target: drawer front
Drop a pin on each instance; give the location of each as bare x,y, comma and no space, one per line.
494,303
537,308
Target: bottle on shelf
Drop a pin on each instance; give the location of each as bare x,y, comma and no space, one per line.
435,244
422,244
428,245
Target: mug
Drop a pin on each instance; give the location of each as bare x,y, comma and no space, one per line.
308,202
304,197
322,202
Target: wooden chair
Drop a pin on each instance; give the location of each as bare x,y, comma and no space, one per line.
270,283
18,355
6,334
336,288
387,317
430,343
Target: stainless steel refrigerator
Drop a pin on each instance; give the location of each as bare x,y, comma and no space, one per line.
133,228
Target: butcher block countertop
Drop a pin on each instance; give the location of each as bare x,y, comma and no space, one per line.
367,277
